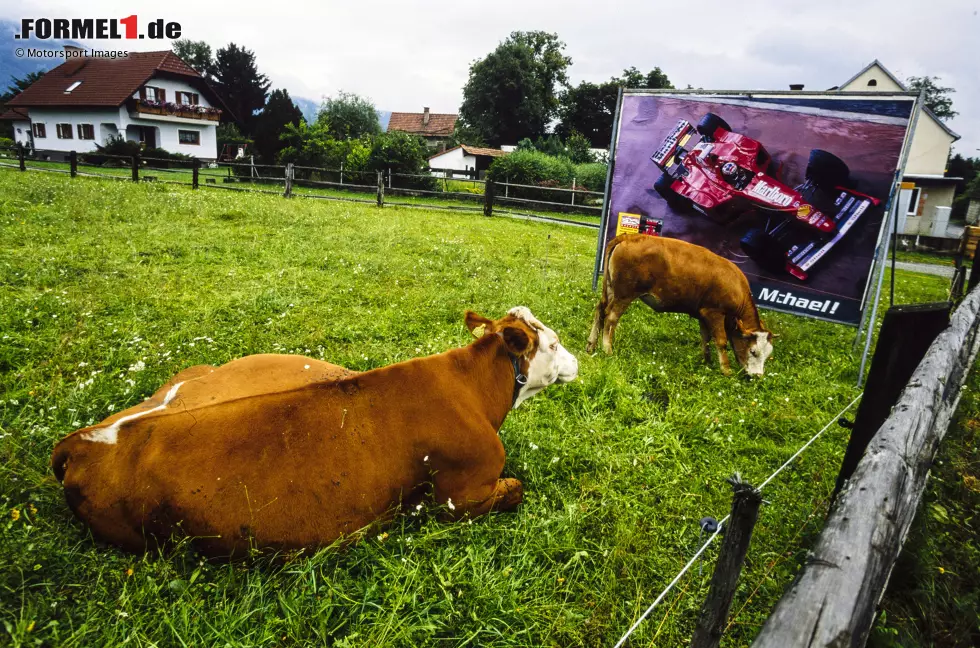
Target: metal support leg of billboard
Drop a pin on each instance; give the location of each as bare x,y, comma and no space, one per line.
881,254
882,264
604,221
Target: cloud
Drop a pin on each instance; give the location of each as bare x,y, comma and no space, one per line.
409,54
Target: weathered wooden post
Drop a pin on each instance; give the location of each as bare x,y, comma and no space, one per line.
738,533
197,173
381,189
136,167
73,163
21,157
288,191
573,192
341,172
905,336
488,191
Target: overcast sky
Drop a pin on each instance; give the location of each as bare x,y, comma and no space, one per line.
407,54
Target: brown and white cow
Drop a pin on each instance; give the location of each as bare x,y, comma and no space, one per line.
678,277
286,452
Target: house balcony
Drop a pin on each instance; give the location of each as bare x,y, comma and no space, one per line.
171,112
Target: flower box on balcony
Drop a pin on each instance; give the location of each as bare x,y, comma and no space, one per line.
147,107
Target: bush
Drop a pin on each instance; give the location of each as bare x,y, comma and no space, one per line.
402,154
118,146
591,176
6,142
532,168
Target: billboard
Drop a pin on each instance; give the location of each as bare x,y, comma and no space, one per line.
793,188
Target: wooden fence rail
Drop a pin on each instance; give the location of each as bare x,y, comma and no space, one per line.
832,601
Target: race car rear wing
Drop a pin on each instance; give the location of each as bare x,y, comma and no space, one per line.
850,205
674,140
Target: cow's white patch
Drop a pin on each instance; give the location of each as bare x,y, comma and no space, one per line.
552,363
759,350
110,434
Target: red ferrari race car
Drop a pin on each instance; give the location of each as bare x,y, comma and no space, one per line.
724,175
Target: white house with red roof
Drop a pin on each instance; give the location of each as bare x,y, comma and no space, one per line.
149,97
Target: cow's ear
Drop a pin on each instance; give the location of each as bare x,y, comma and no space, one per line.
478,324
741,330
517,339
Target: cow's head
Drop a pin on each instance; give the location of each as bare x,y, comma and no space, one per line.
540,355
751,347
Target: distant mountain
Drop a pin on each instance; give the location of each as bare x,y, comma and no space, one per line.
14,67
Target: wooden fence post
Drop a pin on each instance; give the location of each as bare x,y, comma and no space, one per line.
573,192
288,191
341,172
905,336
488,192
833,599
73,163
714,612
21,156
136,167
381,189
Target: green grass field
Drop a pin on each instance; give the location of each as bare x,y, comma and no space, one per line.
108,288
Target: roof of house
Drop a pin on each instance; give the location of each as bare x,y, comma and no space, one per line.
14,114
107,82
901,85
440,125
474,150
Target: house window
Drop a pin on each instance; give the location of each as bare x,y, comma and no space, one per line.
188,137
39,130
151,93
914,202
72,87
188,98
873,82
86,132
64,131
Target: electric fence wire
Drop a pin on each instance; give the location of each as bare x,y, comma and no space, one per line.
721,525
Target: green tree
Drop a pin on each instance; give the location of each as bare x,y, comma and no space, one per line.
240,84
196,54
310,145
588,107
937,97
349,116
19,85
402,153
271,123
228,135
512,93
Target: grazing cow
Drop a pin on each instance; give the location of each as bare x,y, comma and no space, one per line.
286,452
677,277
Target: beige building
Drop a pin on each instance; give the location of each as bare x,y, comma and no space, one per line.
927,195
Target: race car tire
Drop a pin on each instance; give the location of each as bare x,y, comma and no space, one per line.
710,124
764,250
826,170
674,199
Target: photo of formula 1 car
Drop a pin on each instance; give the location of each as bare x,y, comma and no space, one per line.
725,175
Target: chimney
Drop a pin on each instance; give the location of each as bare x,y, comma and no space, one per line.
796,87
425,116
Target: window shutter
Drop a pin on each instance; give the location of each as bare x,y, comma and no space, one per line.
81,133
161,95
197,99
143,93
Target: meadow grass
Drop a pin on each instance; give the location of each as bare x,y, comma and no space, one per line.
108,288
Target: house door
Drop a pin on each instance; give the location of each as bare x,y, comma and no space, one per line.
148,136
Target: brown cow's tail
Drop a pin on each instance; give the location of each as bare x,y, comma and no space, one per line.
605,295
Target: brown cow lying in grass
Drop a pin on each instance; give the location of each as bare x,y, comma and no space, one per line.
286,452
678,277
